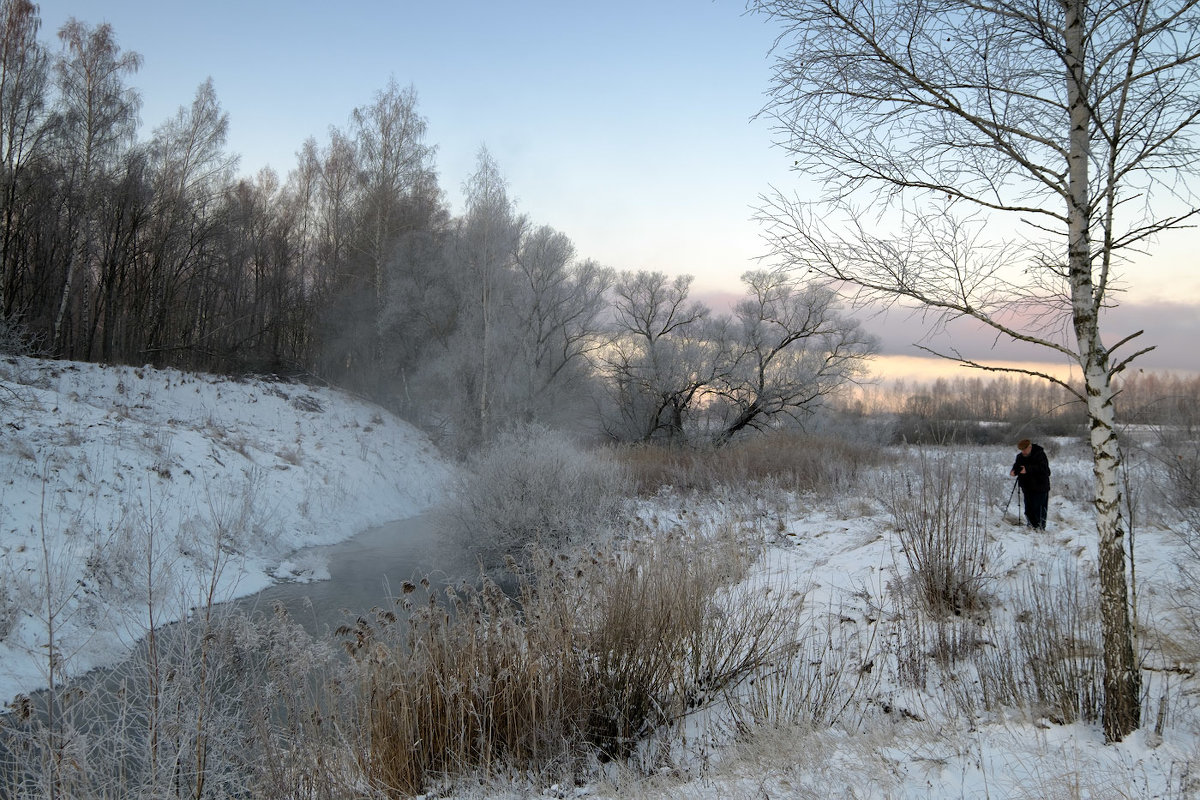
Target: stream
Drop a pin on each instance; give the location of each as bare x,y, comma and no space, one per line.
364,572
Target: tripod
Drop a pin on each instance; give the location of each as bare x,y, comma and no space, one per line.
1011,495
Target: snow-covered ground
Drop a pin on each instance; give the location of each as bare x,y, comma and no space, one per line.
114,479
109,475
904,741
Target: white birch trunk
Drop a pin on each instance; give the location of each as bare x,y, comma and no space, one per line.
1122,679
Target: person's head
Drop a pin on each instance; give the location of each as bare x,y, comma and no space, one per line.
1024,446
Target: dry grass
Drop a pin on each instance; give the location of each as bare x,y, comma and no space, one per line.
585,661
791,460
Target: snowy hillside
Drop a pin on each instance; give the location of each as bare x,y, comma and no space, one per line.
111,474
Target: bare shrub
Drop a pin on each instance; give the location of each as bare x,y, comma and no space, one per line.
1175,446
174,717
210,710
294,698
588,659
1050,663
15,339
831,669
929,646
534,487
939,513
1178,451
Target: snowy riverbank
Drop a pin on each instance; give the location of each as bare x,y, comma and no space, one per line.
112,475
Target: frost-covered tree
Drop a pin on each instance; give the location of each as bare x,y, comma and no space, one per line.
395,172
557,303
790,349
665,351
996,160
468,376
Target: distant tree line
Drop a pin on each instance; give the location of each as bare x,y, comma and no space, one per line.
983,410
353,270
1000,409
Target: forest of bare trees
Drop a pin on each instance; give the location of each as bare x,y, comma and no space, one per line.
353,270
156,250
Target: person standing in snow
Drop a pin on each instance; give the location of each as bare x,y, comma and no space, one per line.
1032,471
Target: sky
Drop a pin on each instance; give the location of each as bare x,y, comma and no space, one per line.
628,125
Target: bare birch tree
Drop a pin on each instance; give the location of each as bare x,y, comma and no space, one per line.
1069,123
96,121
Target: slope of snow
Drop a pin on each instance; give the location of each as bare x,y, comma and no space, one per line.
116,479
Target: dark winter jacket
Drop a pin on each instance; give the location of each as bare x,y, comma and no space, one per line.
1036,478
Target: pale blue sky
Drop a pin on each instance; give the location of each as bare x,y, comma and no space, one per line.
625,124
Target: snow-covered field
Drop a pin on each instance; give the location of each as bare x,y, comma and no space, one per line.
903,741
112,479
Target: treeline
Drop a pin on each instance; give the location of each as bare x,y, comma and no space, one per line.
353,270
994,409
1148,398
119,250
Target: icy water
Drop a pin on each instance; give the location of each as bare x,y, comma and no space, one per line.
365,572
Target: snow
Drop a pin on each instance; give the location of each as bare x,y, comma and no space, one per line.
905,742
108,473
101,465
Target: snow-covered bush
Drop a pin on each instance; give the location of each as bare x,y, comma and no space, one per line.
1178,450
14,338
534,486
